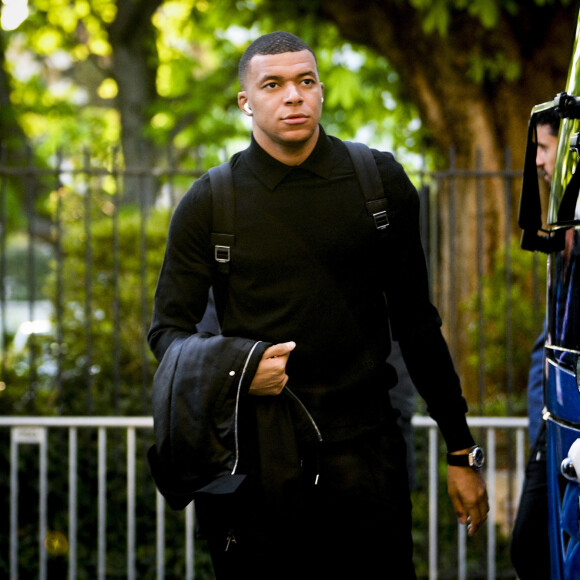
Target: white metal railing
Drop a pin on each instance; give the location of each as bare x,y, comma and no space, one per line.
490,425
33,431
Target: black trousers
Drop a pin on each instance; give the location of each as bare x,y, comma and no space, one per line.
356,523
530,547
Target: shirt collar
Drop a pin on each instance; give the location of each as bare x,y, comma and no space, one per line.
272,172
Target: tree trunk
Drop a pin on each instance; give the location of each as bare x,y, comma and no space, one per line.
15,151
134,68
436,71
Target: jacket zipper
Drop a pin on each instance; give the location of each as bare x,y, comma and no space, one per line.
313,423
310,417
238,393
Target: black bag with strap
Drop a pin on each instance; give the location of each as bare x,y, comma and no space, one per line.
223,237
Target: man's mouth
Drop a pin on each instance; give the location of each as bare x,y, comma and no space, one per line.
295,119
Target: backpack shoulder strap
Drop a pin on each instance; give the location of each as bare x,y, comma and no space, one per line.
223,200
370,182
223,204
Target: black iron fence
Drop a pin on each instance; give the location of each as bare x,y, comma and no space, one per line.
78,266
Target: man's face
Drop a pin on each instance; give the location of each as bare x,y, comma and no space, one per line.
285,96
546,153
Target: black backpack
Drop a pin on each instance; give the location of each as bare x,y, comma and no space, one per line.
223,199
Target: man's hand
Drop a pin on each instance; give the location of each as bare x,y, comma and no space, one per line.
271,377
468,493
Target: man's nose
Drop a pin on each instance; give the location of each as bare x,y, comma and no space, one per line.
293,94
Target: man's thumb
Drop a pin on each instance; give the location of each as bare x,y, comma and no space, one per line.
280,349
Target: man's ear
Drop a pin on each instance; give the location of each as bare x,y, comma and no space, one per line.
243,103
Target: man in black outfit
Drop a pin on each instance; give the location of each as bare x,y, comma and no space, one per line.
310,277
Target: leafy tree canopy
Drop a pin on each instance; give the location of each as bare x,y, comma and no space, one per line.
64,92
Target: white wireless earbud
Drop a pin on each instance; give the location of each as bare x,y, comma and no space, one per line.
247,109
322,100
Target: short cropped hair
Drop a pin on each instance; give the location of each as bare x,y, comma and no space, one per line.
272,43
551,118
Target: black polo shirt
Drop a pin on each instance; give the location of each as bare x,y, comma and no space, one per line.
308,265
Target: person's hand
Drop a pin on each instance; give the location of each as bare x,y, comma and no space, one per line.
271,377
468,494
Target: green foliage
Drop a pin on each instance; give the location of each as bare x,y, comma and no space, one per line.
493,68
60,60
104,353
511,323
100,362
361,92
55,59
438,14
66,93
25,262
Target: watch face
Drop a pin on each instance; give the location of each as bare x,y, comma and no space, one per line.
477,458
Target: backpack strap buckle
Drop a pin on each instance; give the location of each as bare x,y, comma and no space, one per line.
370,182
381,220
377,209
222,254
223,244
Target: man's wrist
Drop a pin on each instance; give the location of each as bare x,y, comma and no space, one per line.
473,457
